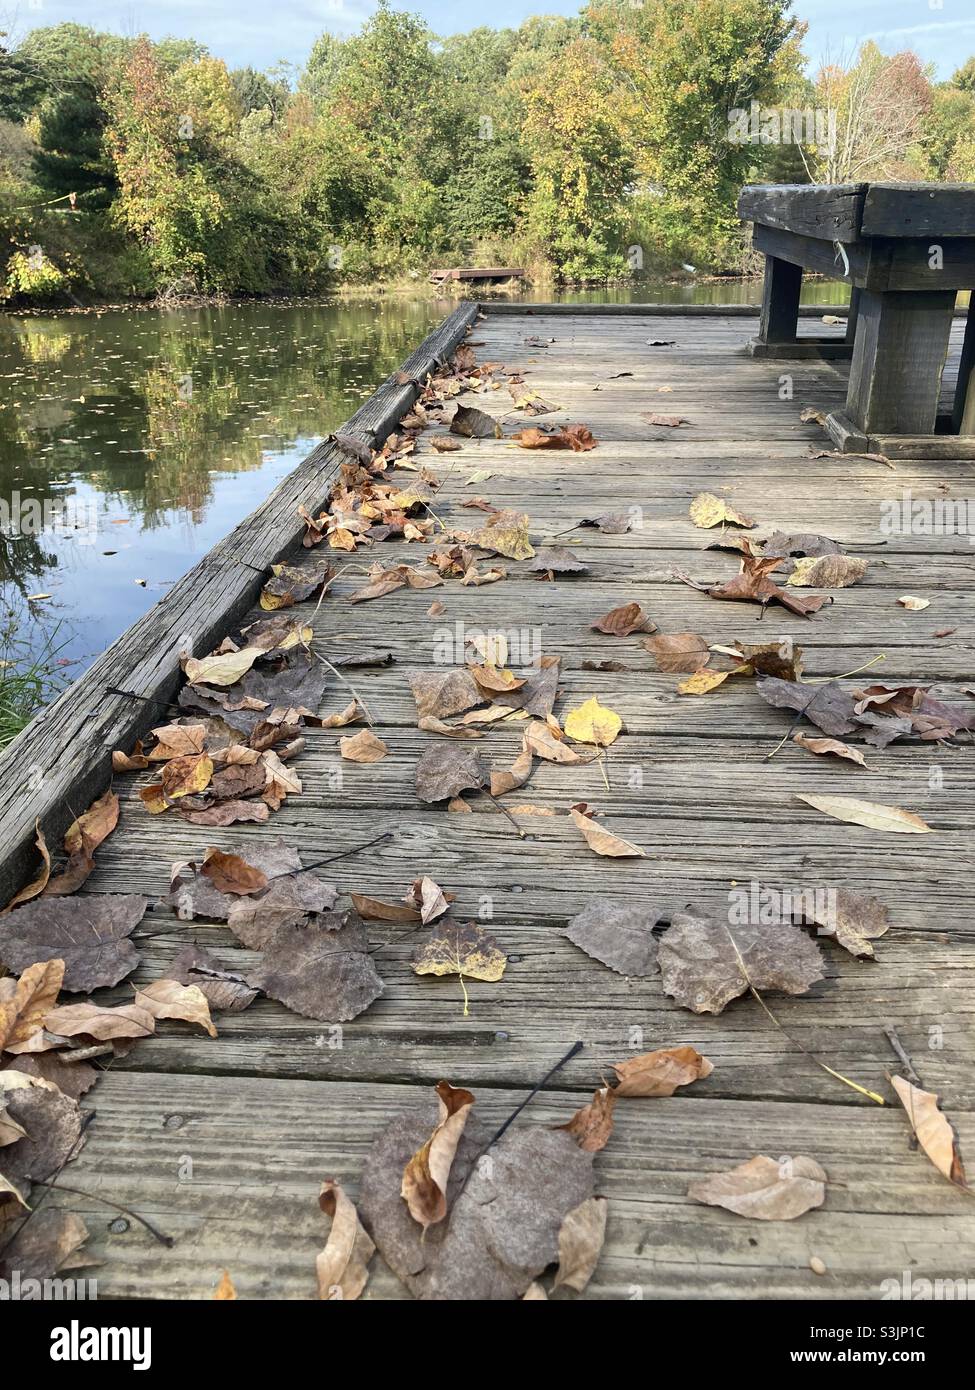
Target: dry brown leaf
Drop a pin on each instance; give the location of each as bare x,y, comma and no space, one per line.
99,1022
624,621
830,745
678,651
934,1132
229,873
426,1175
34,889
343,1266
766,1189
581,1239
592,1125
914,604
25,1003
659,1073
705,962
363,747
170,999
225,1290
827,571
869,813
601,840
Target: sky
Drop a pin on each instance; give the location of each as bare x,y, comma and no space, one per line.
262,32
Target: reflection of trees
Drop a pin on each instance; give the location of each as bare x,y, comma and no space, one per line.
148,406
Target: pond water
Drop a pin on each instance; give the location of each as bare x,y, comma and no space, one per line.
131,440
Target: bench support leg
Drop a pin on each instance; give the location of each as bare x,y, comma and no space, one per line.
963,415
780,301
898,356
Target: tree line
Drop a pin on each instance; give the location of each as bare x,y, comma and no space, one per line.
590,148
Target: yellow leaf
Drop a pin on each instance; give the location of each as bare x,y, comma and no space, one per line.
593,723
707,510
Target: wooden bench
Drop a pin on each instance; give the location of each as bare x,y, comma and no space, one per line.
905,250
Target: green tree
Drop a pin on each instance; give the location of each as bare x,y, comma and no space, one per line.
687,65
578,140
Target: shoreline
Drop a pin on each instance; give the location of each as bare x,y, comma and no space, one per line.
395,289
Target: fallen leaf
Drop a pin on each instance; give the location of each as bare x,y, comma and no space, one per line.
514,777
505,533
53,1135
659,1073
41,1247
100,1022
558,559
669,421
592,722
854,919
624,621
474,424
592,1125
443,693
225,1291
222,989
25,1003
170,999
229,873
933,1131
35,888
291,584
291,901
504,1216
446,770
426,1175
186,776
454,949
827,571
707,510
321,969
705,962
342,1267
620,934
912,603
89,934
601,840
869,813
543,741
223,668
830,745
766,1189
363,747
581,1238
678,651
800,543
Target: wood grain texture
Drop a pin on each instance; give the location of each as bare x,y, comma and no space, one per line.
276,1102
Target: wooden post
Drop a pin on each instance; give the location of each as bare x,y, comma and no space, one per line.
780,301
898,356
963,414
853,316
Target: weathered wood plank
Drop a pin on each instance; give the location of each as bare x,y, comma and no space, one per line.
833,211
260,1148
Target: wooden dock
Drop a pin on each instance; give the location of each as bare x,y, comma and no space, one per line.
223,1142
478,275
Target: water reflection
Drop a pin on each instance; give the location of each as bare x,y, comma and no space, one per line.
131,441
